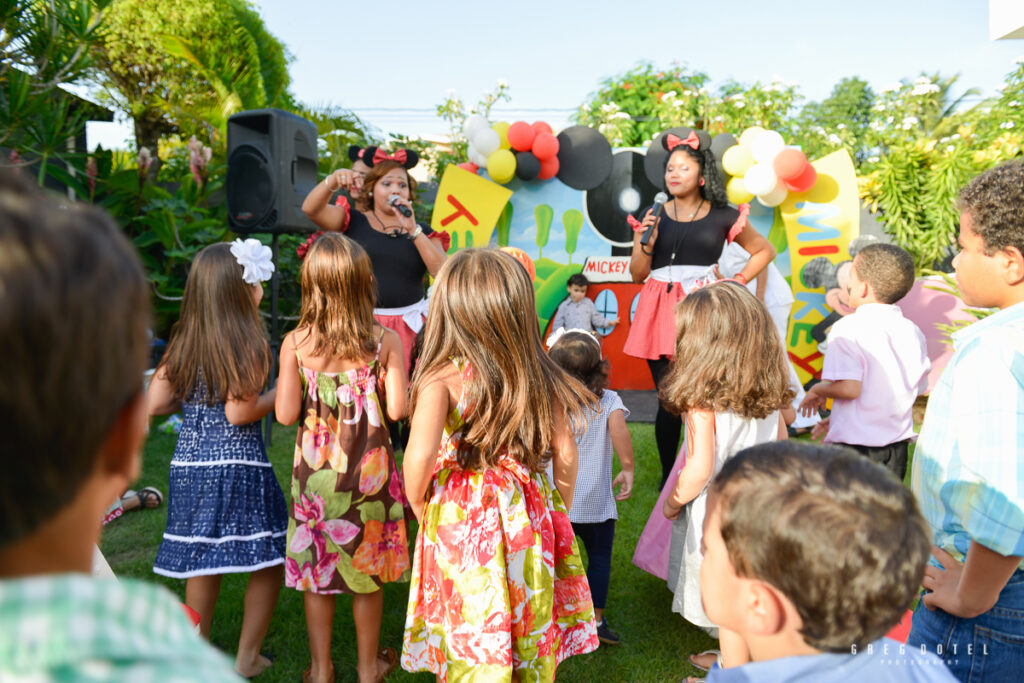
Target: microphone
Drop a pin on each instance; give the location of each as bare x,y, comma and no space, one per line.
659,202
400,208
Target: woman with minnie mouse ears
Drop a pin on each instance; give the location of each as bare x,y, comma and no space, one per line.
402,252
680,255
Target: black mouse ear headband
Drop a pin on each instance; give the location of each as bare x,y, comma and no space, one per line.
355,153
374,155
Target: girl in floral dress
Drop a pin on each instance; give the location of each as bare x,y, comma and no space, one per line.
498,591
347,526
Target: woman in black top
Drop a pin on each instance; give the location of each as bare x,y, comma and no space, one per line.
684,246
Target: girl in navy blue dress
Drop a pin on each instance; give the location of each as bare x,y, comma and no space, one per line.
227,512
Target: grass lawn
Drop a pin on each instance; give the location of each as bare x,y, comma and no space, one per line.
654,640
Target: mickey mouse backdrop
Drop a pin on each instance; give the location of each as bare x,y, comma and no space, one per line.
563,201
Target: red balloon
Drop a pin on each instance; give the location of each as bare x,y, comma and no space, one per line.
520,136
545,146
804,181
548,168
789,164
469,166
541,127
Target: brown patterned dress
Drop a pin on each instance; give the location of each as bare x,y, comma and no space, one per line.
347,522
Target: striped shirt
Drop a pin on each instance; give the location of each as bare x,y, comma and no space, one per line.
968,472
593,500
73,627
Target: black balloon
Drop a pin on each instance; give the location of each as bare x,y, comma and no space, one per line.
584,157
527,166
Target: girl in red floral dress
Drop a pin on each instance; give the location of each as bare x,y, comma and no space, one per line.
498,590
347,526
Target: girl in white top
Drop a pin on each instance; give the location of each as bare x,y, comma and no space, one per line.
730,378
593,513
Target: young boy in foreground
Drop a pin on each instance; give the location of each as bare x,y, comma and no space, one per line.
74,307
967,472
811,554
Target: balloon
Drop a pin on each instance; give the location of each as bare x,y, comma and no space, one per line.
737,160
469,166
585,158
545,146
477,158
720,143
527,166
520,136
760,179
501,165
736,191
766,146
501,128
548,168
775,197
804,181
486,141
473,125
541,127
789,163
521,256
747,136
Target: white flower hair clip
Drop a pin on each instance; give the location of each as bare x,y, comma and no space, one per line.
255,258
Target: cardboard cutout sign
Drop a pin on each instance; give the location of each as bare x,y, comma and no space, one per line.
468,207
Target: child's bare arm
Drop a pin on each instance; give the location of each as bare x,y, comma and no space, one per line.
699,463
623,445
242,411
288,401
426,429
160,398
847,389
565,463
396,383
970,589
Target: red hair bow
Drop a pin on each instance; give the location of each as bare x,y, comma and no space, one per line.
400,156
673,141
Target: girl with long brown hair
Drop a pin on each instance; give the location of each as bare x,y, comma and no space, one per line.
497,570
730,377
347,531
226,512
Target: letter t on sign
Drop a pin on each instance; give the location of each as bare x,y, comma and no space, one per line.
460,210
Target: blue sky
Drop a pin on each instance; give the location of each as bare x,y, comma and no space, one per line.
393,63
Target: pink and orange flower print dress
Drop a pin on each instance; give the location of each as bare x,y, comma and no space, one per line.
497,581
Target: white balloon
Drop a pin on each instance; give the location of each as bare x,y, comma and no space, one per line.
474,124
766,146
478,159
760,179
487,141
775,197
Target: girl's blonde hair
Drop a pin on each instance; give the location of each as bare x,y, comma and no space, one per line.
728,355
219,337
338,294
482,310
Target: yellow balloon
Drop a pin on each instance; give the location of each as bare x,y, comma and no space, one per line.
736,160
501,166
747,136
501,128
736,191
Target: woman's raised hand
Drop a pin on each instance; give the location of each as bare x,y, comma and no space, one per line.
344,179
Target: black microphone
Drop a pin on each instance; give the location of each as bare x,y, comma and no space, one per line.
400,208
659,202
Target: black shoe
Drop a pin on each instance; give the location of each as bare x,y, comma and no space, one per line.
606,635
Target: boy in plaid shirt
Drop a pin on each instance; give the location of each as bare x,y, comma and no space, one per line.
967,470
74,307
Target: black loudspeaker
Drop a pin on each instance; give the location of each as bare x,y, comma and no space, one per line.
272,166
